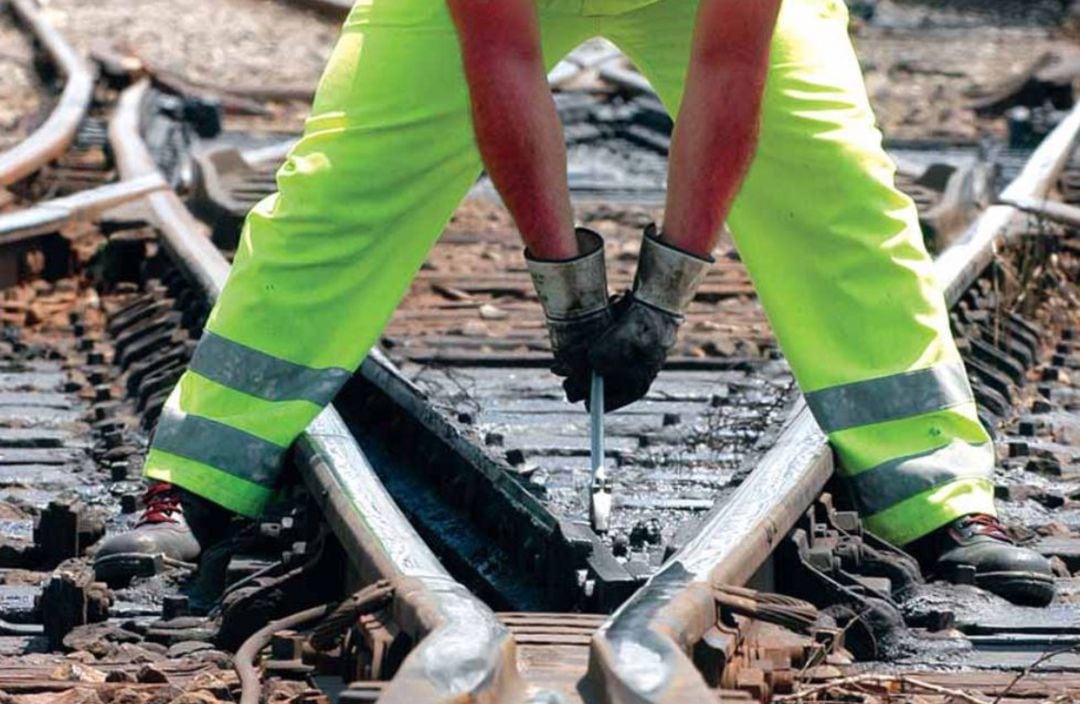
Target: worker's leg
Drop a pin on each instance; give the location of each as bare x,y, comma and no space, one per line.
385,158
838,259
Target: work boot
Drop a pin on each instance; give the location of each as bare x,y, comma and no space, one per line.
979,543
174,527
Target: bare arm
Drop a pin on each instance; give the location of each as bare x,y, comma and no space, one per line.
517,126
716,133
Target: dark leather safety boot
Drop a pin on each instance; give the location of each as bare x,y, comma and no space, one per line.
979,542
174,527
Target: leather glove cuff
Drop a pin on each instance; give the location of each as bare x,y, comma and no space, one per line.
576,288
667,277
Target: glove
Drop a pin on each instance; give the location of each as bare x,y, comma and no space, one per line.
574,296
632,351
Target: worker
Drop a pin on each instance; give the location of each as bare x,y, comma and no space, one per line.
773,135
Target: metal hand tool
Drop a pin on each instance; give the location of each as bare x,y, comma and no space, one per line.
600,489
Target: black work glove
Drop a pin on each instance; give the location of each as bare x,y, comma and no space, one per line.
632,351
630,354
574,295
571,341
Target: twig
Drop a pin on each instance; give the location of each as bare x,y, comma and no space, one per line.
880,680
1027,670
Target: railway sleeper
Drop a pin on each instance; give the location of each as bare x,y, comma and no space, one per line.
990,378
145,335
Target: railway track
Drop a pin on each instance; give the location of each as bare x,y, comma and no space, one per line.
415,629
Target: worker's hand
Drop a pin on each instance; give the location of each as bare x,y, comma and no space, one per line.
571,342
574,295
632,351
647,320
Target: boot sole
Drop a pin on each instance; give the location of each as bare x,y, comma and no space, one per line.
124,566
1024,588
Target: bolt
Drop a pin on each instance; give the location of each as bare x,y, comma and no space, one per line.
118,471
113,438
1019,449
85,344
129,503
1051,374
963,574
174,606
96,377
672,419
620,545
95,357
78,329
1026,428
1041,406
102,392
286,645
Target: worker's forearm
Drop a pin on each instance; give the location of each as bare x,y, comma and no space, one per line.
716,133
517,127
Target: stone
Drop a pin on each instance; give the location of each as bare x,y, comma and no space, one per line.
77,672
148,674
490,312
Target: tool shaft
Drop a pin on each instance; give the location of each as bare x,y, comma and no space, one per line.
596,424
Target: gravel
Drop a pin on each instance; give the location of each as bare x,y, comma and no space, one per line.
18,84
922,61
226,43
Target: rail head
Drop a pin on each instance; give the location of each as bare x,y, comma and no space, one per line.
640,654
463,652
56,134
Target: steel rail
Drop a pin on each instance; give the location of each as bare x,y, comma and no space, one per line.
48,216
463,651
642,652
56,134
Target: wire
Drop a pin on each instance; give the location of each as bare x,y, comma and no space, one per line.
244,660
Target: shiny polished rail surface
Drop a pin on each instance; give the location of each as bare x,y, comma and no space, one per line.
53,137
462,648
641,653
464,651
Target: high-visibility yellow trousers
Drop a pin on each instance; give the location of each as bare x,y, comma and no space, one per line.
389,151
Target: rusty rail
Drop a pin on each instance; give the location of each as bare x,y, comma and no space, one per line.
53,137
48,216
463,652
642,653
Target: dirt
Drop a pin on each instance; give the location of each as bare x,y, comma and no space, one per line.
235,44
924,64
18,84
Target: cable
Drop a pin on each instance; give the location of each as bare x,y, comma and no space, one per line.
244,660
366,601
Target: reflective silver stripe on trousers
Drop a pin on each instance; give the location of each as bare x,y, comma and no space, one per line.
215,444
261,375
894,481
890,398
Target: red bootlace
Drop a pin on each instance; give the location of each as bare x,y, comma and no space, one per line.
161,501
984,524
